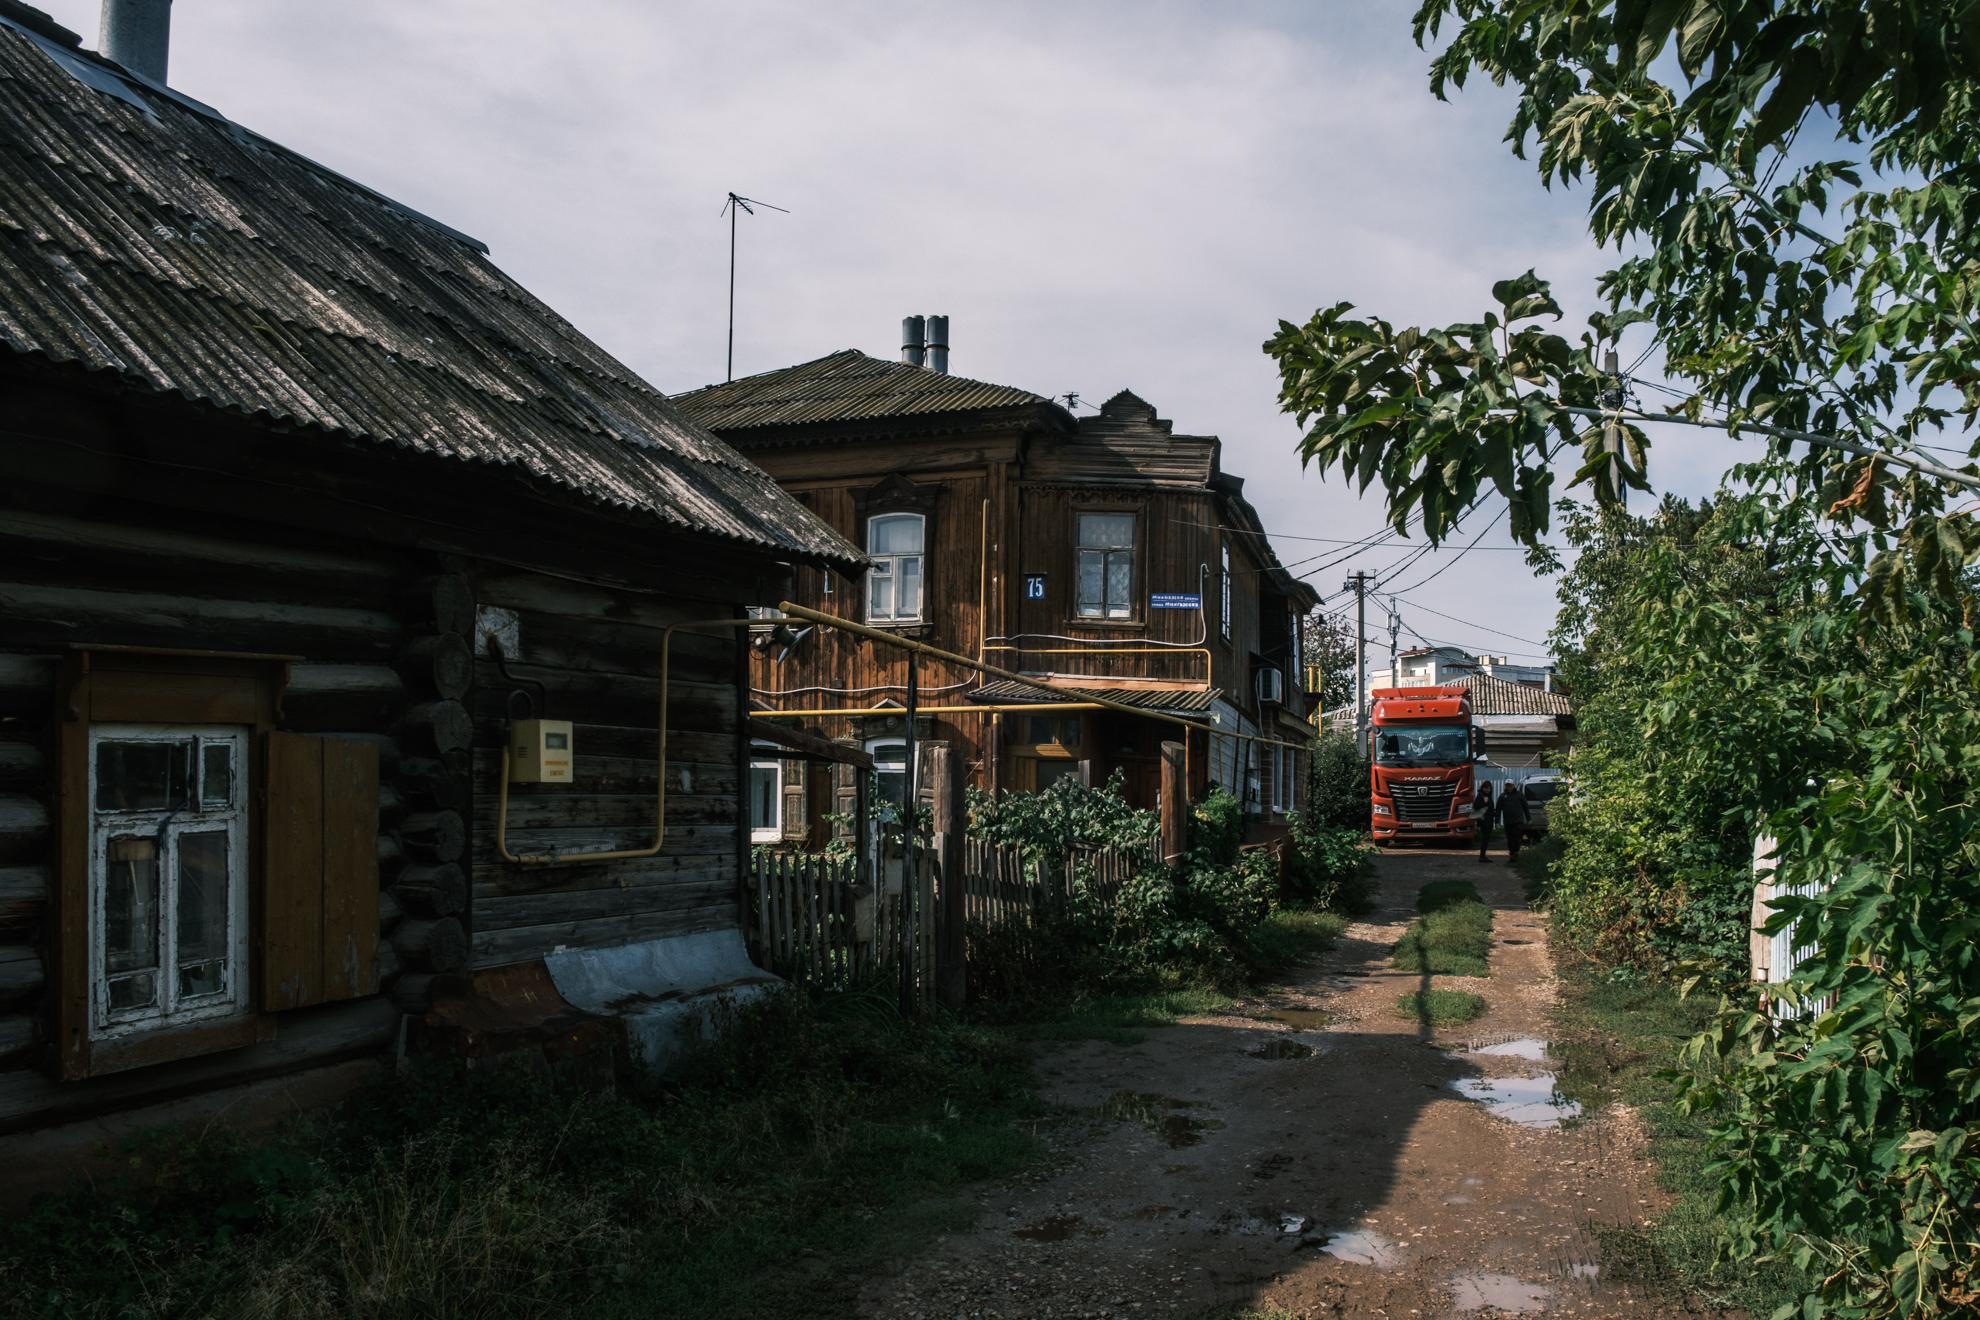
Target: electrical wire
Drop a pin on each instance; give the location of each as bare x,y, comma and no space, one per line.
1447,564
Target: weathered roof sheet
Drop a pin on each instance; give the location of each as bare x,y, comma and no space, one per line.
1175,701
847,386
1500,696
145,236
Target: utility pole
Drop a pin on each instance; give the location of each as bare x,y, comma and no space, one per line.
1358,584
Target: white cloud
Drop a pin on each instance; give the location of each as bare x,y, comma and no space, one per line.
1099,195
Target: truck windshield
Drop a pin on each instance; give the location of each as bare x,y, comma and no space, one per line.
1423,744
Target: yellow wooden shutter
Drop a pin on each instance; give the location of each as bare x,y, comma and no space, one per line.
319,896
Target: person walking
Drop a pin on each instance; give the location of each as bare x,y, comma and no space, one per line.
1481,817
1512,811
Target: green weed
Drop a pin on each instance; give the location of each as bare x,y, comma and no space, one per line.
1453,939
1441,1008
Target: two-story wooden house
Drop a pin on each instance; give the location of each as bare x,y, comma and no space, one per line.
1105,555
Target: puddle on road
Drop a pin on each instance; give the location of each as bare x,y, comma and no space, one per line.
1052,1228
1283,1047
1364,1246
1530,1048
1160,1115
1499,1292
1534,1102
1302,1019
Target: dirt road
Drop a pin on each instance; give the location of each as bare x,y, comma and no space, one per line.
1312,1153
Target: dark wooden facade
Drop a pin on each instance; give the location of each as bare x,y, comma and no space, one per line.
1002,489
279,458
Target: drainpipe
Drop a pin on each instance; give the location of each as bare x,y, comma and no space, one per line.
138,35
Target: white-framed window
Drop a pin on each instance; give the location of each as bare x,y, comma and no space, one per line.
766,800
890,773
896,544
1105,565
168,851
1224,595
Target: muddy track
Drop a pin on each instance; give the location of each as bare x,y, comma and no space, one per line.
1311,1151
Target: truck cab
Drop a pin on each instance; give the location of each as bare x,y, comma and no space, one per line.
1423,746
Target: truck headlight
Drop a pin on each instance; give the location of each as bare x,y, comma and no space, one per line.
1383,809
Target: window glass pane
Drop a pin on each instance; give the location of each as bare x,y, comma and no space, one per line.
1050,772
891,755
202,917
1120,584
143,776
880,593
910,602
1069,731
130,921
216,776
1106,531
894,534
1092,582
763,796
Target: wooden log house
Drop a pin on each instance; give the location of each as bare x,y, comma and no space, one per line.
1100,555
304,502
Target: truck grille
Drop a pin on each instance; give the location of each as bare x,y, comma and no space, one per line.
1430,801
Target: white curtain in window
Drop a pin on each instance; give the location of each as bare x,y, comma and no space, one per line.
1106,565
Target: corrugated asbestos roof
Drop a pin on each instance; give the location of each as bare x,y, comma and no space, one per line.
847,386
1172,700
145,236
1501,696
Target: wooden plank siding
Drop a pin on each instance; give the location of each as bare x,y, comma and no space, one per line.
1034,482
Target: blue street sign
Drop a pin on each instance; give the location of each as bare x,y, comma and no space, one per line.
1176,600
1034,586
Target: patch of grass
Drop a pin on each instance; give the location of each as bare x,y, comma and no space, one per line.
1451,940
1283,940
815,1135
1291,935
1121,1016
1441,1008
1440,894
1617,1039
1536,864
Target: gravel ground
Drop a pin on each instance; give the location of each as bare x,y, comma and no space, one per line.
1311,1152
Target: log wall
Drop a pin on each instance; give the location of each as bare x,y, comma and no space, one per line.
107,573
591,655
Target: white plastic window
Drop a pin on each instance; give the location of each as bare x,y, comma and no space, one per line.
168,875
896,543
890,774
766,801
1106,566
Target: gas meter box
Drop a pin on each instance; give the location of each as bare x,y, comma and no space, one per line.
540,752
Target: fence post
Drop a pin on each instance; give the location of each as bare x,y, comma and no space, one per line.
950,977
1175,803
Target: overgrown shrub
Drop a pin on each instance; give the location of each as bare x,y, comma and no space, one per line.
1064,816
1337,792
1328,866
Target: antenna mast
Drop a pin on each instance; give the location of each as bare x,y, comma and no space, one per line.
732,207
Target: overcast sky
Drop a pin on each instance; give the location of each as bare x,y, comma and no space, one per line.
1100,195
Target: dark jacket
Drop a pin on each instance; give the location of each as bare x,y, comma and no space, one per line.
1512,807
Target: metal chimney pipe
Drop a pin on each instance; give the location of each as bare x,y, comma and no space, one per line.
138,35
911,340
938,344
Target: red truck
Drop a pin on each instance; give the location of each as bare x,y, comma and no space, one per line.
1422,750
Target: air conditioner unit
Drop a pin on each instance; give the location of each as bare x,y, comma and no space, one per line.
1270,684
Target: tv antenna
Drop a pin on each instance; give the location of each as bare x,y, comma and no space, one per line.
734,206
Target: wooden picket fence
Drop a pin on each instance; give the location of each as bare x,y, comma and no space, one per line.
816,920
